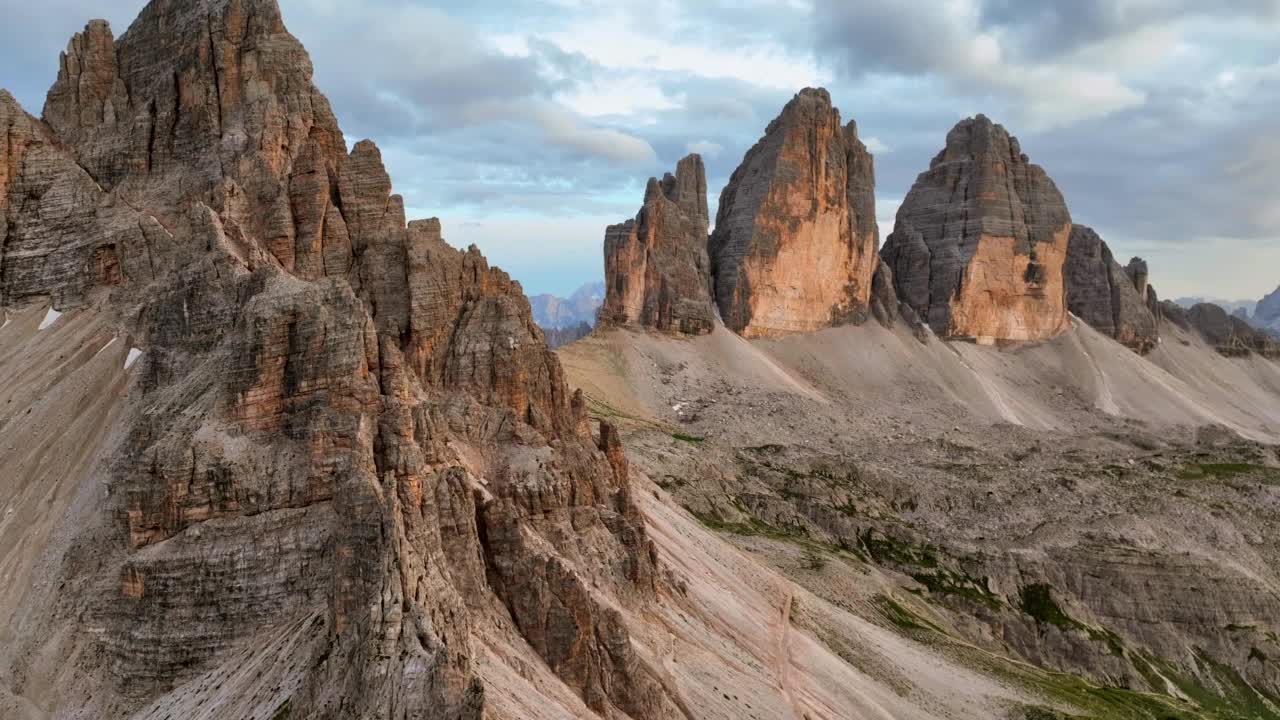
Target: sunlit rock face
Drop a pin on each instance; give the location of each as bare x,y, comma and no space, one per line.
980,241
657,274
794,247
348,440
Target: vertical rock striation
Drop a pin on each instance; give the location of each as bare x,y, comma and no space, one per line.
794,248
980,241
1110,298
656,267
348,436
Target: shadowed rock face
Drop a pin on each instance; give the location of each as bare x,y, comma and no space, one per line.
794,248
1112,299
980,241
354,436
656,266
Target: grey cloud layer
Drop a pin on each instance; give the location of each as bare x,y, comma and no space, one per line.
1154,116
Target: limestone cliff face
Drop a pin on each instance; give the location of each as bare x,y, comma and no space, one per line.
794,248
656,269
348,438
1111,298
980,241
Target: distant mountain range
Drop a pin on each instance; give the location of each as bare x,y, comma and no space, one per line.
552,312
1231,306
1263,314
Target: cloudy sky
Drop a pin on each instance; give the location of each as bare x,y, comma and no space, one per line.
528,126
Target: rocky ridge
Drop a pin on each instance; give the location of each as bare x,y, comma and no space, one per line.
1228,334
981,239
345,434
657,273
1114,300
795,242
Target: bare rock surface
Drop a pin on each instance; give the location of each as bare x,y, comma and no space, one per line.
345,444
980,241
795,242
1111,298
1228,334
657,273
1079,519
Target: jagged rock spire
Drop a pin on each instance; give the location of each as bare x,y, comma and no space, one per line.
656,266
346,434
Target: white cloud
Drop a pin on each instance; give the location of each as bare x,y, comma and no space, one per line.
705,148
618,96
562,128
615,42
876,145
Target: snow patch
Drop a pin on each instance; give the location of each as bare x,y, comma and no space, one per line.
5,324
50,318
134,354
104,347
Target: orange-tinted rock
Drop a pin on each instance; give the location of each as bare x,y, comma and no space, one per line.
344,428
657,273
980,241
794,248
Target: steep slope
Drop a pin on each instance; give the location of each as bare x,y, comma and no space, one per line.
794,247
656,269
980,241
1067,504
345,441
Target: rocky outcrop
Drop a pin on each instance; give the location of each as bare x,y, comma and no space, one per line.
1228,334
1110,298
1267,313
980,241
655,266
347,438
794,248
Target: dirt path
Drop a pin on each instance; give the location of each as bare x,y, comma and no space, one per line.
782,656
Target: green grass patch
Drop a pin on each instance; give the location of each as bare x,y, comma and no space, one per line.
884,548
688,438
1223,471
901,616
752,527
1037,601
947,582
